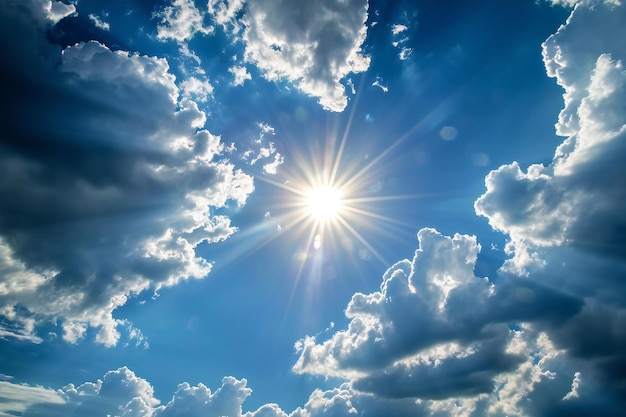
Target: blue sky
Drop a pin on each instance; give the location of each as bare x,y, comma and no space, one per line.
165,249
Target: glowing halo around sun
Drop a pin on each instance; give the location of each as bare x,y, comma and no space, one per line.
329,201
328,207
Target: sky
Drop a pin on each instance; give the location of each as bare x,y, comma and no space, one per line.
330,208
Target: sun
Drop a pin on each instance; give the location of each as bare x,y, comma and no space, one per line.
323,203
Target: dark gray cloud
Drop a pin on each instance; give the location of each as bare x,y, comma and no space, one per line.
437,332
453,376
579,198
567,220
109,178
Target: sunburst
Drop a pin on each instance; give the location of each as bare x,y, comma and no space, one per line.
328,198
323,203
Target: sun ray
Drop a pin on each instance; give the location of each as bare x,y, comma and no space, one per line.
358,211
362,240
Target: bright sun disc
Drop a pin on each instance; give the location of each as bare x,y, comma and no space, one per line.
323,203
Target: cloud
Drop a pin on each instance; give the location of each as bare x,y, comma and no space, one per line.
263,149
313,45
434,331
15,398
397,29
240,75
55,10
122,393
572,3
111,181
180,21
225,13
197,89
545,336
378,82
577,199
462,345
99,22
399,34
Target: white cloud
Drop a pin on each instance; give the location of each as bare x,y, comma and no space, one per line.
405,53
197,89
272,167
313,45
225,12
400,37
397,29
240,75
264,149
575,387
56,10
122,393
180,21
99,22
378,82
572,3
78,238
199,400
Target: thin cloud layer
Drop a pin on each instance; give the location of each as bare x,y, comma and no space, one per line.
110,191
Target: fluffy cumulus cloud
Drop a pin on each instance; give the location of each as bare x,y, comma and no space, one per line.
455,343
240,75
314,45
578,199
110,179
180,21
122,393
